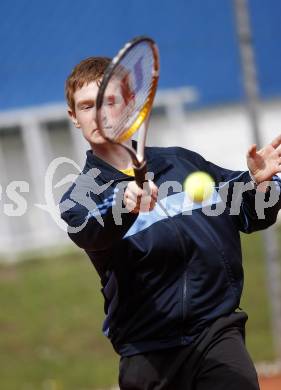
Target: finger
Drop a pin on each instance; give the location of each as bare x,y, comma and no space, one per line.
148,187
278,150
153,190
131,206
276,168
133,190
146,205
153,195
129,195
132,203
252,151
276,142
136,190
278,163
152,204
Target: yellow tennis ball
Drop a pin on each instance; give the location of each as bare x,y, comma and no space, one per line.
199,186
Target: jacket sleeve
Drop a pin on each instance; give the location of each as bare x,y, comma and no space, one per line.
94,222
251,210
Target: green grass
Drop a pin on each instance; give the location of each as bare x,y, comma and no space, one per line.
50,320
51,316
255,299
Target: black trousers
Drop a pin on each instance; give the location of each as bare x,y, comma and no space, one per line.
218,360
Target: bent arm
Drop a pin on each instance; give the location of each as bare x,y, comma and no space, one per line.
98,222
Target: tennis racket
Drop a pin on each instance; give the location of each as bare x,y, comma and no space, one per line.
125,98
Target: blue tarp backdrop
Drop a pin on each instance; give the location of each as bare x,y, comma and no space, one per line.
42,40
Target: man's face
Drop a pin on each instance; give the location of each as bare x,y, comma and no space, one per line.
85,110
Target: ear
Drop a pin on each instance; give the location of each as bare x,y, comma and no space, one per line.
73,118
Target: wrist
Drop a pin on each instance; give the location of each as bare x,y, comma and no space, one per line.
261,187
253,180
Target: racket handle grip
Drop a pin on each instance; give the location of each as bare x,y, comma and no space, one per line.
140,174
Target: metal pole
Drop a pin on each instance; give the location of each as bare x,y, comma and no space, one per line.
252,93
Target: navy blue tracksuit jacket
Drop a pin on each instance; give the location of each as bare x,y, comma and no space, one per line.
164,279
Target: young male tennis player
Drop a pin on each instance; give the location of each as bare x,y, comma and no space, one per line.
172,285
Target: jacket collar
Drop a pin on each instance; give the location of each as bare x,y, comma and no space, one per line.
155,164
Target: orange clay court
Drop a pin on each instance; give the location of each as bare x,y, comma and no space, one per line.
270,383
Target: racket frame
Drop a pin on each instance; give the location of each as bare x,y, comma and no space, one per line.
137,156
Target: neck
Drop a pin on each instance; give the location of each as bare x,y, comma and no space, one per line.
114,155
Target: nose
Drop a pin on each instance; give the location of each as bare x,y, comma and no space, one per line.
103,119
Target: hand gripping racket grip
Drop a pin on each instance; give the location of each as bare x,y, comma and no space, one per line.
140,172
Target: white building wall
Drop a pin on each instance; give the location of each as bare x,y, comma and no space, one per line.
221,134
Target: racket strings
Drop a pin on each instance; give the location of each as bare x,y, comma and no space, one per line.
128,92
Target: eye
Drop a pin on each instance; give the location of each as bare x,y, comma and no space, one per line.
110,101
113,100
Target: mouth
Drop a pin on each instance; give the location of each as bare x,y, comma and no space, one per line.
97,132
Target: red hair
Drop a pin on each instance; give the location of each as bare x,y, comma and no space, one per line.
88,70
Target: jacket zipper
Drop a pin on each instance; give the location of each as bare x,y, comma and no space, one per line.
184,300
229,275
184,289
